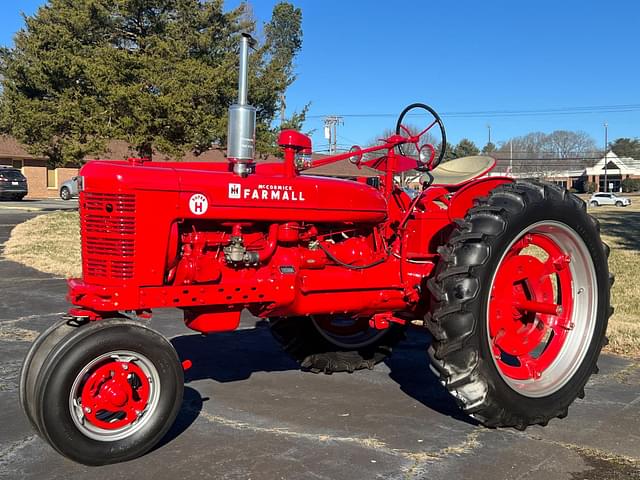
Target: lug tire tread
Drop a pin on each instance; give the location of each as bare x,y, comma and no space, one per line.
302,341
455,352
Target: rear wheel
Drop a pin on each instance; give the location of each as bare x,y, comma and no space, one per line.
334,343
594,204
108,392
522,302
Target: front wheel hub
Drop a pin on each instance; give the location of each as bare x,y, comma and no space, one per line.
113,395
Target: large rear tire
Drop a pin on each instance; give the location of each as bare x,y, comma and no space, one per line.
330,344
521,304
107,392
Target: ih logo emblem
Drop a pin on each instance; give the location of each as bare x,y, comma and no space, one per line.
234,190
198,204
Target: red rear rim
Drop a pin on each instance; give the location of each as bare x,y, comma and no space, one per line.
531,307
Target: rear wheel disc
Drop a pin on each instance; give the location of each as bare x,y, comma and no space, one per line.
541,324
346,331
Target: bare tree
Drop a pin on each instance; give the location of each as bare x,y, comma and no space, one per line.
568,144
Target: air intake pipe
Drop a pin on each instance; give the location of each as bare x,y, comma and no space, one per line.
241,133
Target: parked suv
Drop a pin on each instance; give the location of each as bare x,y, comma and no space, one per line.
599,199
13,184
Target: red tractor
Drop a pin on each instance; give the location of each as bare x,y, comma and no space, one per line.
509,277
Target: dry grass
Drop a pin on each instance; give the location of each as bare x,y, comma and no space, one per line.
51,243
621,230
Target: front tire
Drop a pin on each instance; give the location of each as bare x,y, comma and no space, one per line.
108,392
33,362
65,193
334,343
521,305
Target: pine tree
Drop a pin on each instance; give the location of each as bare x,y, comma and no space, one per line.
465,148
159,74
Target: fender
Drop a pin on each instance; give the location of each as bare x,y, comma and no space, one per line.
462,200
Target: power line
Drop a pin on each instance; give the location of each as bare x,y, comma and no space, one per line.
622,108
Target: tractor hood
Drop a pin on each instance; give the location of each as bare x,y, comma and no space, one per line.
209,191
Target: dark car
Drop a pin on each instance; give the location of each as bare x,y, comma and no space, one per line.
13,184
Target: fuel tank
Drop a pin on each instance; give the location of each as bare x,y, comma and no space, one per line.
210,191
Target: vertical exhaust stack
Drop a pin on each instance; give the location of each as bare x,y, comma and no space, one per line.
241,133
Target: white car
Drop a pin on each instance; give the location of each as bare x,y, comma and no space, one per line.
599,199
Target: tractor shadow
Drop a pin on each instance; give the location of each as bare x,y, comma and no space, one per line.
235,356
409,368
621,224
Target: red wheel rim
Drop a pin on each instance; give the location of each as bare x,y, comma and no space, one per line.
531,307
115,394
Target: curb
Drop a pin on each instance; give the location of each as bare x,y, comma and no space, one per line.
27,209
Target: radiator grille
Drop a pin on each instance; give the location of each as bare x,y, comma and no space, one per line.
119,202
108,234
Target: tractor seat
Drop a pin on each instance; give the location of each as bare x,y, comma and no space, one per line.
461,170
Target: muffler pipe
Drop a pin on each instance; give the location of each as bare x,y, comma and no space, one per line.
241,132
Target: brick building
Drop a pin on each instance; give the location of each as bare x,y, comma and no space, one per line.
573,172
43,181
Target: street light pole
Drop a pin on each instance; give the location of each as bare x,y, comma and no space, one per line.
606,142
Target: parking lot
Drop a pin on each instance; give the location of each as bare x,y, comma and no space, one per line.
39,205
250,413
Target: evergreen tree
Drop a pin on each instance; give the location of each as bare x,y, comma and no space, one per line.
155,73
626,147
489,148
465,148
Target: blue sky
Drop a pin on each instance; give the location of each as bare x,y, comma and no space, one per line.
375,57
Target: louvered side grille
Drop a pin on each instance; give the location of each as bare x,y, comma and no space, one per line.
108,234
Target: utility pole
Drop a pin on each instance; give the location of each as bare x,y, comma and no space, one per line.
489,128
331,123
511,157
606,143
283,108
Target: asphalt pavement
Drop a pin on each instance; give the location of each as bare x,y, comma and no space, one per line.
249,413
39,205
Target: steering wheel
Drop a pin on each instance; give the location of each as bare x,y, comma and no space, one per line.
401,129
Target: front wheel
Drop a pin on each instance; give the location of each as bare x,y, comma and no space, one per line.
619,203
522,303
107,392
65,193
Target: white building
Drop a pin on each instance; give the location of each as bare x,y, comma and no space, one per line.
617,169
